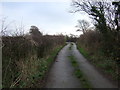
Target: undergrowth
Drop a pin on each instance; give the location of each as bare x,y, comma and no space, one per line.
105,64
26,59
38,70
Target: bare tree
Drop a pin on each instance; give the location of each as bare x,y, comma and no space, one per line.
117,14
18,30
11,27
100,11
83,26
5,26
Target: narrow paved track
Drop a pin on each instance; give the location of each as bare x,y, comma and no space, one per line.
61,74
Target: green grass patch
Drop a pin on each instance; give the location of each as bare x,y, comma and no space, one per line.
83,52
106,64
45,66
79,74
34,70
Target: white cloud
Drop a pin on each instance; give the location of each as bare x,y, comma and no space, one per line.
50,17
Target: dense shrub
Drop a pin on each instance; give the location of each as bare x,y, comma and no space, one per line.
23,55
91,40
101,51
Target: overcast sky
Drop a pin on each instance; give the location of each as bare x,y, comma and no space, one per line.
49,17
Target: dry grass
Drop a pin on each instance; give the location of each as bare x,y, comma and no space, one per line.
92,46
25,58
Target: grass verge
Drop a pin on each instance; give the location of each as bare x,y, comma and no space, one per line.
34,70
46,64
82,51
79,74
104,64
